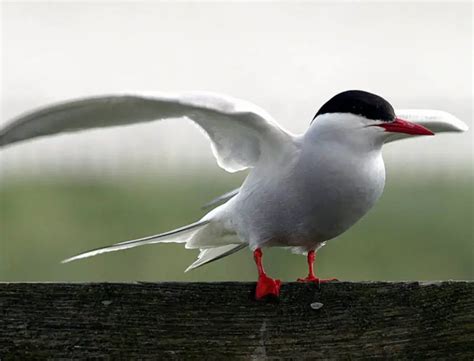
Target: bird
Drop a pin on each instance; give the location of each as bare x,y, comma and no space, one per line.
301,190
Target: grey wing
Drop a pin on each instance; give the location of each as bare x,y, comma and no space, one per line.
221,199
437,121
241,133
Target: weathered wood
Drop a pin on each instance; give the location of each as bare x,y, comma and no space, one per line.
221,321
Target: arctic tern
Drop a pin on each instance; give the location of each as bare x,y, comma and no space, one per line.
301,190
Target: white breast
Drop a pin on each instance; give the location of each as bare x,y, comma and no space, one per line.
314,197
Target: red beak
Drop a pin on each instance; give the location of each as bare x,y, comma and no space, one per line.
402,126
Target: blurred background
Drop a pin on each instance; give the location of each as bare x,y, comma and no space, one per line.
63,195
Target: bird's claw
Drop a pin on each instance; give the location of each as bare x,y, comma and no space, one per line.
267,286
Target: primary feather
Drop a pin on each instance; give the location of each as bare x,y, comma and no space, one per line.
437,121
241,133
221,199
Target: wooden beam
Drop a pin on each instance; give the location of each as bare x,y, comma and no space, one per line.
405,320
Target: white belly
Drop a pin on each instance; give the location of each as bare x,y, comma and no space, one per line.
318,198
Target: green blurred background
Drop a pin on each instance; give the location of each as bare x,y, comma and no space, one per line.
421,229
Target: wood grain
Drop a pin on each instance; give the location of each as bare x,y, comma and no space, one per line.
406,320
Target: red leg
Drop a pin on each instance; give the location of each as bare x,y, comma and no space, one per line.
311,276
265,285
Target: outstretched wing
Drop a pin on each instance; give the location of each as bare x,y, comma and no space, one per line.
437,121
240,132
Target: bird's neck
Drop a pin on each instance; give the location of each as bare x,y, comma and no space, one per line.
352,141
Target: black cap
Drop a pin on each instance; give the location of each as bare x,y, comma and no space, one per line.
361,103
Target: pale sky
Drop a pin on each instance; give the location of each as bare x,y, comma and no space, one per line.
288,58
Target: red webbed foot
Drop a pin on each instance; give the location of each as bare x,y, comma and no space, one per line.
267,286
311,277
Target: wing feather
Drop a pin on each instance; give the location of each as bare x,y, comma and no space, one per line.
221,199
240,132
437,121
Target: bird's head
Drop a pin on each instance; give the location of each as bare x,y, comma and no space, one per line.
362,118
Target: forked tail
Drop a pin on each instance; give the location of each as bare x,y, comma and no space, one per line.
179,235
209,255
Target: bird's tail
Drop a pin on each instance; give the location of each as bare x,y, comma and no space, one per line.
179,235
213,254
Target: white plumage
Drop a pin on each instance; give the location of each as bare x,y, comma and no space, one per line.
301,191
